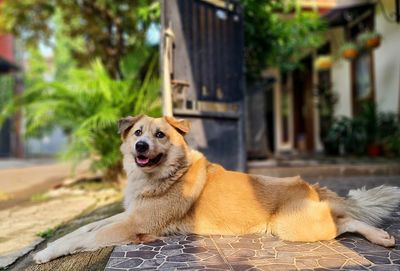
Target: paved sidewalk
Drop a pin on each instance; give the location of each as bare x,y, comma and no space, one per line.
310,168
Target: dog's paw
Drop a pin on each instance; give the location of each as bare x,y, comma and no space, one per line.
42,256
140,238
146,238
383,238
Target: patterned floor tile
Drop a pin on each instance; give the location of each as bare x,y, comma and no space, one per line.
251,253
172,253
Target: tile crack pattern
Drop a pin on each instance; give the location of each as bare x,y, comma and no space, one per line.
256,252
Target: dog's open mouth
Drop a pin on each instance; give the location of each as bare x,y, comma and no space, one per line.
144,161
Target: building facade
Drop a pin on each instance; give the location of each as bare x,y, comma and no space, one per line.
372,76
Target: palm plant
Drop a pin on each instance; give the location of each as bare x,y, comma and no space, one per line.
87,105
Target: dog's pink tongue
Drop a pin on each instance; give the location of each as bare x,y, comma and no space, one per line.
142,161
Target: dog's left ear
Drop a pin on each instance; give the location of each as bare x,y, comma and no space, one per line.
181,125
125,124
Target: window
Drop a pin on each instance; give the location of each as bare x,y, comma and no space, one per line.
362,74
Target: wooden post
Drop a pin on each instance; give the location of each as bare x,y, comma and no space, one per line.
167,69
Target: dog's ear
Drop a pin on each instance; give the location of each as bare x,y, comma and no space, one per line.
125,124
182,126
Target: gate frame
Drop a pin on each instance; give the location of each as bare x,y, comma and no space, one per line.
239,116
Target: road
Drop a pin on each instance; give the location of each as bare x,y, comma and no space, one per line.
20,179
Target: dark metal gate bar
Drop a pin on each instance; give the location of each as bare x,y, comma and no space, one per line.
5,139
207,75
6,92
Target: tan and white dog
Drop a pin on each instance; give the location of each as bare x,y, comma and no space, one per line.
174,189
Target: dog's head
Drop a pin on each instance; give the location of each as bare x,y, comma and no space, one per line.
153,144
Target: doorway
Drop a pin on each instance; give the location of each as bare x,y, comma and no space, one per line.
303,107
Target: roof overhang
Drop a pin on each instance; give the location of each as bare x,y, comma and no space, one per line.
6,66
345,15
337,12
332,4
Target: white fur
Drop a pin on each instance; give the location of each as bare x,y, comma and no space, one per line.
374,205
82,239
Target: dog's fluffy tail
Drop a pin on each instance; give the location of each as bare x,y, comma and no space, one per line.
373,206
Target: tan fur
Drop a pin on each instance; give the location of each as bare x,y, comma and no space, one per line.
185,193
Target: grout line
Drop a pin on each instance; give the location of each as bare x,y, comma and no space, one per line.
349,252
221,254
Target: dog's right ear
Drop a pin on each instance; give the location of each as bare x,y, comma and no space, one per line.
125,124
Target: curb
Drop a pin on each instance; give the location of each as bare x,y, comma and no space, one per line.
338,170
9,259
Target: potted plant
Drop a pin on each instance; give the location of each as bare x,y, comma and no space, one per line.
369,40
323,62
349,50
391,145
389,133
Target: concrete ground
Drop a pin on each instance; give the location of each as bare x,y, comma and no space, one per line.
20,179
29,206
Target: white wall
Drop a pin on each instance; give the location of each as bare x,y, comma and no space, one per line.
387,61
341,74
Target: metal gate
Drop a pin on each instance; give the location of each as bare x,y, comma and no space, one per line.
6,92
205,69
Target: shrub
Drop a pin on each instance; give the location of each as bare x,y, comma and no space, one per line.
353,135
346,136
87,105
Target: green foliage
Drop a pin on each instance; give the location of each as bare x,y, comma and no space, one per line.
366,35
48,233
389,133
278,34
346,136
353,135
87,105
348,46
101,69
40,197
104,29
6,89
327,99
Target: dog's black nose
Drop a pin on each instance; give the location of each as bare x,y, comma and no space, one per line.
141,146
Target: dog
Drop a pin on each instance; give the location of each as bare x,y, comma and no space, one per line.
173,189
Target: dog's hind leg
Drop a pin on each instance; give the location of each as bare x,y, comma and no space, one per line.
373,234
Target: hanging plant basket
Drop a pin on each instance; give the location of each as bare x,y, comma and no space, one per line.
323,62
349,51
369,40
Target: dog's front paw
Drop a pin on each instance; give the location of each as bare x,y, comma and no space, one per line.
147,238
42,256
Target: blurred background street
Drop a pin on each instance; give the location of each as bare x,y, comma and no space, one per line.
280,88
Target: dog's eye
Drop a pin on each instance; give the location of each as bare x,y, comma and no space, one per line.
160,134
138,132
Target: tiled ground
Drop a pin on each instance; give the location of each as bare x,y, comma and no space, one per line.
256,252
